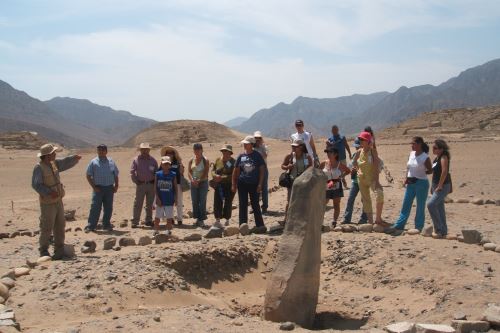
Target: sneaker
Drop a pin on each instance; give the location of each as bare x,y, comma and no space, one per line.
264,211
108,228
200,224
218,225
45,253
148,224
88,229
135,225
228,221
58,256
259,230
334,224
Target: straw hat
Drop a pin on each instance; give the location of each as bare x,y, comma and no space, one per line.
257,134
248,140
47,149
144,145
227,147
167,149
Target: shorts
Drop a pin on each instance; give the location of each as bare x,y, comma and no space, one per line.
332,194
164,212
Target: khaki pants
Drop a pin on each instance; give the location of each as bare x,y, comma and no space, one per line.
143,191
52,221
364,187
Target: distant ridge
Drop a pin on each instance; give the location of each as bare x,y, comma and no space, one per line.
235,121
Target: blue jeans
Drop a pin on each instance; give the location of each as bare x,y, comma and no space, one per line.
435,205
199,200
245,191
353,193
420,189
102,199
265,190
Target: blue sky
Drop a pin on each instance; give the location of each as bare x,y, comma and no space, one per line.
218,59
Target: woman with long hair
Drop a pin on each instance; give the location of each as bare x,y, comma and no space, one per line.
198,175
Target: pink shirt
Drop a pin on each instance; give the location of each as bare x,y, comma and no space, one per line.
143,169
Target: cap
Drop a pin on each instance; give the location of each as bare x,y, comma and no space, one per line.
197,146
227,147
248,140
166,159
102,146
257,134
299,122
365,136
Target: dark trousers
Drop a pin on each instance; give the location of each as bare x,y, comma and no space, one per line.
245,191
223,201
101,199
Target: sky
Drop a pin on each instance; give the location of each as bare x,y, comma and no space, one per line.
219,59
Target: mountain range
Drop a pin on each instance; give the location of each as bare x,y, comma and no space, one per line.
68,121
478,86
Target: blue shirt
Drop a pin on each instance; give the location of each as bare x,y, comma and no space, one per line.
103,171
165,187
338,142
249,165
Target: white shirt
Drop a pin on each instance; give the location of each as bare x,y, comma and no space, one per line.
416,165
306,137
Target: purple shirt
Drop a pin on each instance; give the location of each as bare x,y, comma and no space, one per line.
143,169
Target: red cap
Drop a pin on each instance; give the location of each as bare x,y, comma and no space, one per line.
365,136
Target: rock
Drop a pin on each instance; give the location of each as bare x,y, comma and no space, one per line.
365,227
478,201
431,328
401,327
9,314
161,238
78,229
231,231
451,237
287,326
123,224
459,316
462,201
145,240
326,228
492,314
15,234
31,263
436,123
489,202
126,241
8,282
4,291
69,250
497,202
413,232
427,231
10,274
337,229
89,246
484,240
26,233
196,237
2,300
378,228
109,243
244,230
348,228
69,215
156,318
292,289
490,246
20,271
471,236
460,238
467,326
448,200
4,235
497,249
43,259
214,232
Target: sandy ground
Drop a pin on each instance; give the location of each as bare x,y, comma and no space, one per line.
367,281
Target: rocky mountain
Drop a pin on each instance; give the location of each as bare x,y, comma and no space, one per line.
478,86
118,126
319,114
76,126
235,121
184,132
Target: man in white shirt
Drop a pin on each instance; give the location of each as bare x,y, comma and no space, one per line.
307,138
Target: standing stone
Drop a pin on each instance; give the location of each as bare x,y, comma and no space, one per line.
401,327
292,290
8,282
497,249
109,243
145,240
365,227
231,231
431,328
69,250
244,229
471,236
378,228
492,314
126,241
489,246
195,237
478,201
161,238
4,291
214,232
467,326
20,271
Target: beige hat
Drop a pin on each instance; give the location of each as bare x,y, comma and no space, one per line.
47,149
257,134
144,145
167,149
248,139
297,142
227,147
166,159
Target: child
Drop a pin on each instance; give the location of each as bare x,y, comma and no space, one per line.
166,191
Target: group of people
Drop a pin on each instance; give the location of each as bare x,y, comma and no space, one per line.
161,186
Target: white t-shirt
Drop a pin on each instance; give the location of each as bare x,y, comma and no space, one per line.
306,137
416,165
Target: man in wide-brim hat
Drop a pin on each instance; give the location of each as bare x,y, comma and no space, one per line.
142,172
47,183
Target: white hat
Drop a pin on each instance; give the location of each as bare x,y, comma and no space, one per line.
248,139
297,142
166,159
144,145
257,134
47,149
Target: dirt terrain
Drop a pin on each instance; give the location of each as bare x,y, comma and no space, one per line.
368,280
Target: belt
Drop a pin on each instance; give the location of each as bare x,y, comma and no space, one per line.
148,182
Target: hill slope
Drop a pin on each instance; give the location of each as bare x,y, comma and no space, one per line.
184,132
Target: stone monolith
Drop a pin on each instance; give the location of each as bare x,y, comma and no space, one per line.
292,290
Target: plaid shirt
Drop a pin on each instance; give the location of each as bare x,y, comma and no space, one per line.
103,171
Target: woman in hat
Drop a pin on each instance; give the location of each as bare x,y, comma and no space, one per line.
367,163
178,168
334,171
198,168
222,172
248,177
295,164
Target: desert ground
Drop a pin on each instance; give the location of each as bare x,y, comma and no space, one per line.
368,280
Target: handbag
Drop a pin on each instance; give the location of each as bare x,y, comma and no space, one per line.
285,180
185,186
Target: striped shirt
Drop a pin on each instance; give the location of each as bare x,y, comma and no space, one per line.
103,171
